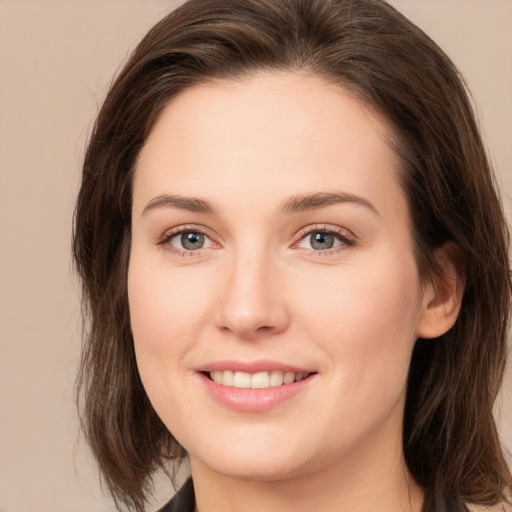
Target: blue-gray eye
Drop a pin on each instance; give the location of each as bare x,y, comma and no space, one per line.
189,241
321,241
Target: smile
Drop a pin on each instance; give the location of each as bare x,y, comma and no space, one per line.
254,386
259,380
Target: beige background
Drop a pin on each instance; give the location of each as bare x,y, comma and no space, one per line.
56,58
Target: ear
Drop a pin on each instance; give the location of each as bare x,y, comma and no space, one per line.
442,295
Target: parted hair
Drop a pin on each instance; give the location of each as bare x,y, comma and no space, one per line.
450,440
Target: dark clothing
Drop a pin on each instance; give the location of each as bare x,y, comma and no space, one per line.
184,501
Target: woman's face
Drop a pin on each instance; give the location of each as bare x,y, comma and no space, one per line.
271,243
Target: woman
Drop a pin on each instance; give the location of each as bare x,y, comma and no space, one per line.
295,266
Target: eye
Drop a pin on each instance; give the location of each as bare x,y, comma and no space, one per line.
188,240
324,239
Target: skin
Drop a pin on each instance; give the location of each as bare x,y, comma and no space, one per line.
258,290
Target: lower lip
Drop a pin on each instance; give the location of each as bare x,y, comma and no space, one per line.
251,399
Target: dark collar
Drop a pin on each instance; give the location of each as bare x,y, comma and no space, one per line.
183,501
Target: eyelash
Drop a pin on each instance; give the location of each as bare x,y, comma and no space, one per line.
345,238
181,230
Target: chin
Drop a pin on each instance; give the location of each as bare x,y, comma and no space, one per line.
259,469
263,460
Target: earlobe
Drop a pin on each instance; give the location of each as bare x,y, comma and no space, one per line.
442,296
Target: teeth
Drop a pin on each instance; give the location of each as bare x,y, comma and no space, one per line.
242,380
276,378
260,380
289,378
228,378
216,377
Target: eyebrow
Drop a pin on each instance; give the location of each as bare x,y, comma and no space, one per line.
294,204
301,203
190,204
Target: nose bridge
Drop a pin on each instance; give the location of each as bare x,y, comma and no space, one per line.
252,302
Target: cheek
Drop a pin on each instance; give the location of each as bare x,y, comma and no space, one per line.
365,319
165,313
164,304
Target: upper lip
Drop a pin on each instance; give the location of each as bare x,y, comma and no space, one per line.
252,366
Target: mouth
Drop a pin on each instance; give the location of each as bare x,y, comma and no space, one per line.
258,380
255,386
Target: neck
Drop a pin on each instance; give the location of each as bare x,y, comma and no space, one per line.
371,479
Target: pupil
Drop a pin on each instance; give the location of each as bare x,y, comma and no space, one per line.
322,241
192,241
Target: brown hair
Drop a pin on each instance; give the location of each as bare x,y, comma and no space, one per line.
450,439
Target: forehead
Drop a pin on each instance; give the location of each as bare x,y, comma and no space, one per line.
271,134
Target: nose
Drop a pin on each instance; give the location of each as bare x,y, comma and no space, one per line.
252,302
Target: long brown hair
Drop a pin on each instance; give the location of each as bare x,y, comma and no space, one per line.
450,439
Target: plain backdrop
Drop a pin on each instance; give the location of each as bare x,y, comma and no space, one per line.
56,60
